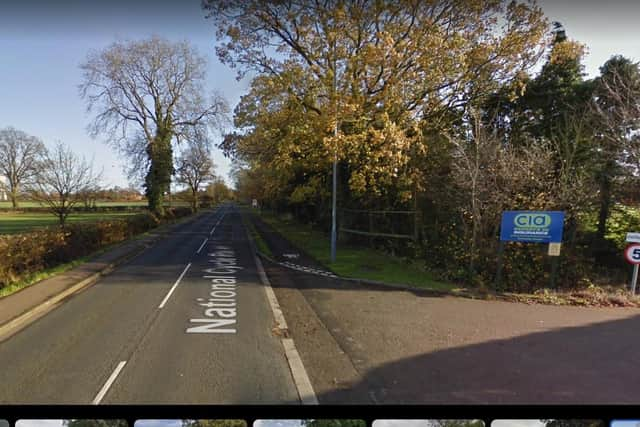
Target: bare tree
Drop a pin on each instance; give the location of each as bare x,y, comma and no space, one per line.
195,167
19,154
89,196
147,94
61,180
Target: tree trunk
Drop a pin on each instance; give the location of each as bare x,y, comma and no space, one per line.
194,205
13,195
158,177
605,204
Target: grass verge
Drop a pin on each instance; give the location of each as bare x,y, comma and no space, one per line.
261,245
356,262
41,275
364,263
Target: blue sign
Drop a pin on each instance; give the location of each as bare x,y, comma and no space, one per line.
532,226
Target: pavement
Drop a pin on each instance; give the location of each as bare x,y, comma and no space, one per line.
375,344
185,321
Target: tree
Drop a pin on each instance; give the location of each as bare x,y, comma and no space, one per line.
61,179
19,154
617,119
195,168
374,70
217,191
146,95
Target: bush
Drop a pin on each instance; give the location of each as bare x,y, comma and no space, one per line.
27,253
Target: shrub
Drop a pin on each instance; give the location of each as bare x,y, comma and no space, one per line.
27,253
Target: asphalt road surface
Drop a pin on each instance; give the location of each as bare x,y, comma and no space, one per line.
187,321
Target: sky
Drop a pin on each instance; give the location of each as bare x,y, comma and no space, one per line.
39,423
42,44
158,423
277,423
517,423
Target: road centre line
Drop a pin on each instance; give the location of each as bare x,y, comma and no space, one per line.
202,245
175,285
217,223
105,388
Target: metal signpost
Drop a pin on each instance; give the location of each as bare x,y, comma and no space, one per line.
632,255
532,227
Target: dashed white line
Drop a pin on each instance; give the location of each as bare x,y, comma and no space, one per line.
217,223
175,285
202,246
105,388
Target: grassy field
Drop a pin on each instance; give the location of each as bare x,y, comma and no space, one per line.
7,204
362,263
11,223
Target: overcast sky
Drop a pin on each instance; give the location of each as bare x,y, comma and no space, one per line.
44,42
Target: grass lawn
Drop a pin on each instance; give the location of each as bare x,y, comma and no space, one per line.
11,223
7,204
356,262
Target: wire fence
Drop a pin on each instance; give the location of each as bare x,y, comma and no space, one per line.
379,224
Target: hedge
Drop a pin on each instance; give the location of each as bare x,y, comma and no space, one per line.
27,253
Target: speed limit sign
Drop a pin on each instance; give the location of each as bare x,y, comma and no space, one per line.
632,254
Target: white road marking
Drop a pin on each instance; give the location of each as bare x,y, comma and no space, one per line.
202,246
300,377
217,223
109,383
175,285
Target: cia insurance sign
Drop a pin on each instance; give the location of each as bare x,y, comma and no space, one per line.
532,226
632,253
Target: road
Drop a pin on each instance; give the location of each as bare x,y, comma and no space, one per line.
142,333
189,321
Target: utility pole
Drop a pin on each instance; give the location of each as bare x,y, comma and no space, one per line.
335,161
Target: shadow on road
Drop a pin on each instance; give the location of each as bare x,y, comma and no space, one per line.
582,365
593,363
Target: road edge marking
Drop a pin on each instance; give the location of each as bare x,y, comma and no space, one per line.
301,379
105,388
173,288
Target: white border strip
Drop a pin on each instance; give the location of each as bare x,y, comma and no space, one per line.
105,388
202,245
175,285
298,372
